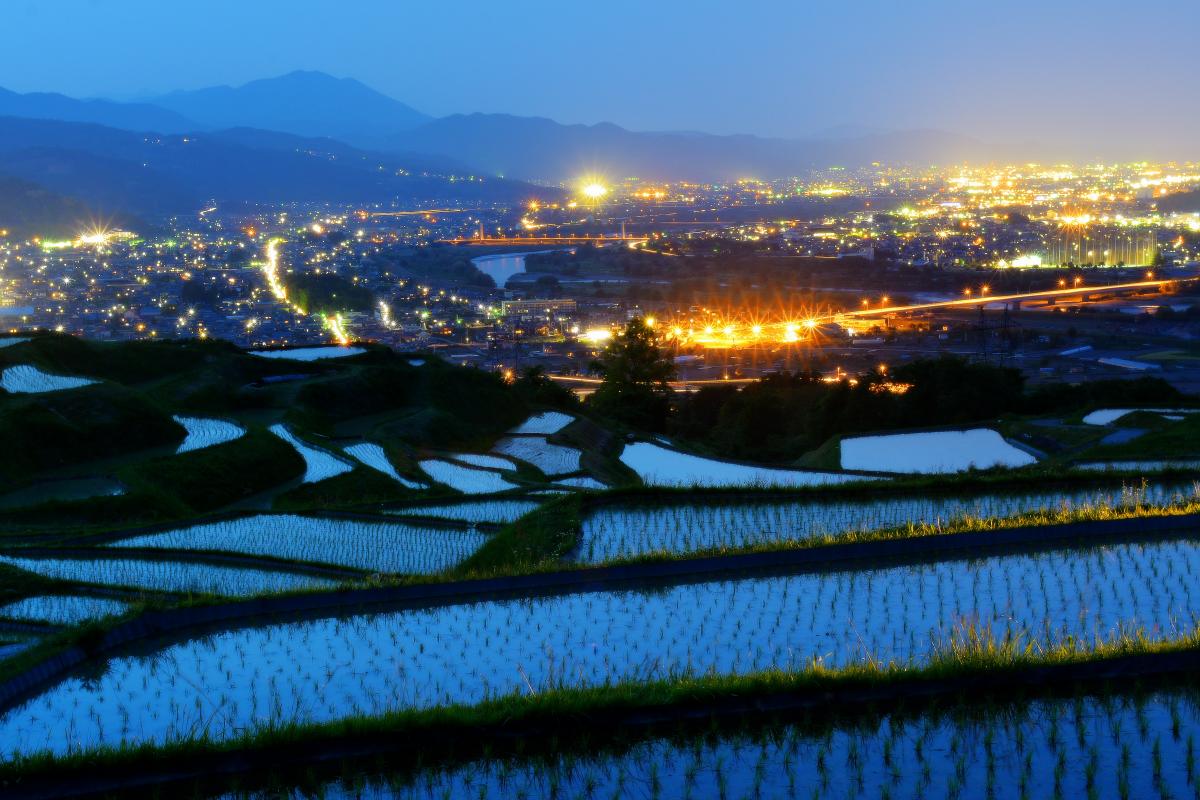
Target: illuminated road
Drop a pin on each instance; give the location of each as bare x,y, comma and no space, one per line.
271,271
983,300
525,240
419,213
337,329
579,380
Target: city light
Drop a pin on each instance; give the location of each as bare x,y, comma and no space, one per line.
597,335
594,190
271,271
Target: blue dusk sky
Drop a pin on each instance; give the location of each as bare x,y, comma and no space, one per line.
1093,74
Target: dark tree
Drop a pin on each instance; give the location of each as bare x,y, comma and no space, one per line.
635,388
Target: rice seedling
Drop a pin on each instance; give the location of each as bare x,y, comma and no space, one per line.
467,480
167,576
321,464
615,532
964,751
62,609
26,379
552,459
484,461
203,433
1047,605
373,546
661,466
546,423
582,482
500,512
374,457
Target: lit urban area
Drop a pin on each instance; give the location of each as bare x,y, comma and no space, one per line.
835,270
781,401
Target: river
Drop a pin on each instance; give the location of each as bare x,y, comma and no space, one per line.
502,266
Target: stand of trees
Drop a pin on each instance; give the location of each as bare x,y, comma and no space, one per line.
328,294
788,414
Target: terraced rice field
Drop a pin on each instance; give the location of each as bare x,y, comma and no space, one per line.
309,353
545,424
374,457
1107,416
168,576
1103,746
467,480
25,379
582,482
625,532
499,512
661,466
552,459
373,546
203,433
484,461
225,682
320,464
932,452
1146,466
62,609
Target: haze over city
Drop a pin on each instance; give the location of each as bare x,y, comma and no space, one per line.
649,400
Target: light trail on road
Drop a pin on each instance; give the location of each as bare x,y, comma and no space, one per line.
984,299
271,271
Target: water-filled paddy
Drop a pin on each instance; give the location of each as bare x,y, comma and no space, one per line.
319,464
330,668
662,466
552,459
62,609
360,544
374,457
1102,746
500,512
932,452
624,532
26,379
310,353
468,480
168,576
545,423
203,433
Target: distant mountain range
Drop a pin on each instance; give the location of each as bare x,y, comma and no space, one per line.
303,103
307,136
535,148
143,173
130,116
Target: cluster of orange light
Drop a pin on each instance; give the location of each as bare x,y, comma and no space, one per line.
728,333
